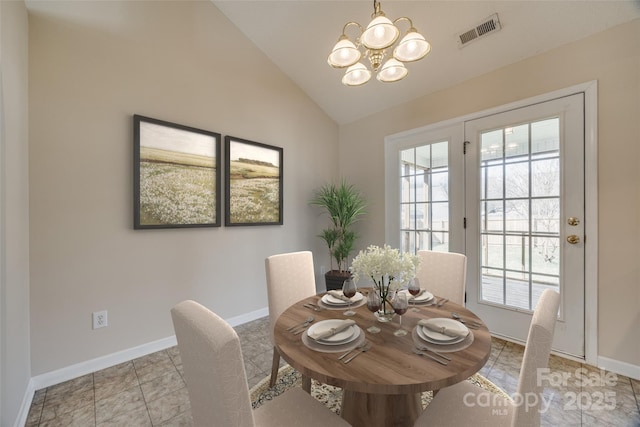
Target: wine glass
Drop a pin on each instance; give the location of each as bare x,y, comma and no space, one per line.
414,289
400,305
373,304
349,290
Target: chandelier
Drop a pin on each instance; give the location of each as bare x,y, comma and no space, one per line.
374,42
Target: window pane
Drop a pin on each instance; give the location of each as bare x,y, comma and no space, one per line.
440,219
545,135
494,182
545,177
423,240
492,251
406,161
546,251
491,145
423,157
422,216
440,242
491,216
518,291
440,186
492,289
517,252
440,154
546,215
422,187
517,215
516,141
407,193
407,215
517,180
407,241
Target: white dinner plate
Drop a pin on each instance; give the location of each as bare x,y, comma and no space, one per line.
331,300
420,330
425,297
349,334
439,338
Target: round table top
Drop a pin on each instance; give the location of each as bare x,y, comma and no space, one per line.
390,366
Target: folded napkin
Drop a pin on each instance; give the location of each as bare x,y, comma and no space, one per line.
320,334
454,333
339,295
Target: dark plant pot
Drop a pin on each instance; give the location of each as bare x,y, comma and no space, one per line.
335,278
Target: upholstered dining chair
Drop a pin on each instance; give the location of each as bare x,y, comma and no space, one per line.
463,403
443,274
290,278
217,382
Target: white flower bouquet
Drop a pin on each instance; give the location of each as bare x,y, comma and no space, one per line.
387,267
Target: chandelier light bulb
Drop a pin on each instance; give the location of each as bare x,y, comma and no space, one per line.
356,75
380,33
412,47
344,54
392,71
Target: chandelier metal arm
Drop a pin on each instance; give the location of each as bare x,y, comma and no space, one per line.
404,18
351,23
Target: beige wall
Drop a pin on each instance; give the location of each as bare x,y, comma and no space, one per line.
612,58
177,61
14,216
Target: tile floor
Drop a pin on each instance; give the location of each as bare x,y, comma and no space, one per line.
150,391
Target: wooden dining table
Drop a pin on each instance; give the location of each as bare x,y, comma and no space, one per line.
382,386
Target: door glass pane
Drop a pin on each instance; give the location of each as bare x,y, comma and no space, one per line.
493,182
545,177
516,215
425,197
519,212
440,187
517,182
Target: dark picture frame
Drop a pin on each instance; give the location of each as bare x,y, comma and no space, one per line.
253,173
176,171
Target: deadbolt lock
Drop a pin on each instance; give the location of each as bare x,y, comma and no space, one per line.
573,220
573,239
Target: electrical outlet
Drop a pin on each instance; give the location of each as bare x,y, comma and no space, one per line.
100,319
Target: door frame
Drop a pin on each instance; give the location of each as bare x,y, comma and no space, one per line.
394,142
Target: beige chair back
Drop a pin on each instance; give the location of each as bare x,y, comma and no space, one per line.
536,356
443,274
213,367
290,278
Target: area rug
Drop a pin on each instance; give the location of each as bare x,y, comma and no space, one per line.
331,396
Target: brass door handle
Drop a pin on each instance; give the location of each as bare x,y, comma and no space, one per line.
573,239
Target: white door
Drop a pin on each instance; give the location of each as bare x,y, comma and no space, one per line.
524,211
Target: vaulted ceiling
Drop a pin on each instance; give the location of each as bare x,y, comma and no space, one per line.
298,36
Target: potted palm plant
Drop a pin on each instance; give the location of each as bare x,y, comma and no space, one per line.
345,205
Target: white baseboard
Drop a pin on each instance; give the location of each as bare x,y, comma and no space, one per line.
618,367
70,372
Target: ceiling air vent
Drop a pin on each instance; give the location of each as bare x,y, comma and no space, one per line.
487,26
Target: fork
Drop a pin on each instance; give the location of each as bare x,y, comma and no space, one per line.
313,307
423,348
470,323
362,350
302,328
306,321
422,353
357,348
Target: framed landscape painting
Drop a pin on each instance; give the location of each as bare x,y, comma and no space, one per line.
253,183
176,175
